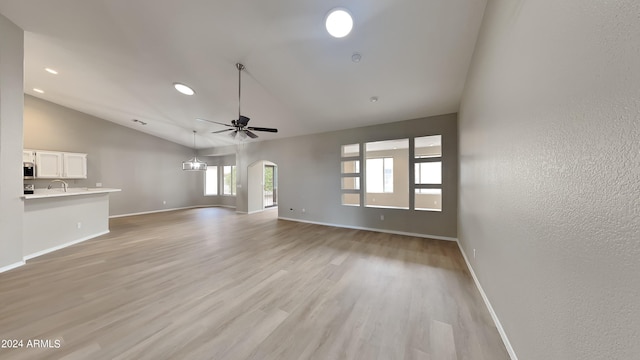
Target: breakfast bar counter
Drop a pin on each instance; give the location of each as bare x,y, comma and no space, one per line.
54,218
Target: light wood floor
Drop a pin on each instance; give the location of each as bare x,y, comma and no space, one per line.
210,284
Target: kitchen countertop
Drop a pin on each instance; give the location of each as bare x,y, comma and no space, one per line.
49,193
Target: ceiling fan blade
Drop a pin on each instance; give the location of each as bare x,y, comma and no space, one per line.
215,122
250,134
243,120
221,131
262,129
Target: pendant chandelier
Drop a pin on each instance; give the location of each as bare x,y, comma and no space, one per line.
194,164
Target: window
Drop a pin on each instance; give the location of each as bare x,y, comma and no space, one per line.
350,170
351,150
380,175
428,173
211,181
387,174
351,167
393,174
229,180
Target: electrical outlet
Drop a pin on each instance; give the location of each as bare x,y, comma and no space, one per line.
164,202
474,253
98,184
304,210
79,225
382,217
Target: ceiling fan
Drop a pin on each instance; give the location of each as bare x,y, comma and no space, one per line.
239,126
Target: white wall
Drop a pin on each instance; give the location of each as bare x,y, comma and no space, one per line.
550,175
11,104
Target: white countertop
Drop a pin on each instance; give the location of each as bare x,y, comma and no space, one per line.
48,193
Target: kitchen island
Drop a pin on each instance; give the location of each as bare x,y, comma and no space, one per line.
54,219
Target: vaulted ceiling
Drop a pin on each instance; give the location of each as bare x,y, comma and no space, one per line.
118,60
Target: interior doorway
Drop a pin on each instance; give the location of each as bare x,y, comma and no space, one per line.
270,186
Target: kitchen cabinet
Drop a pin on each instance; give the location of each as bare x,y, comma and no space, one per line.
28,156
48,164
60,165
74,166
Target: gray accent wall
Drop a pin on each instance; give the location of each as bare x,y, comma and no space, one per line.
147,169
11,99
550,175
309,177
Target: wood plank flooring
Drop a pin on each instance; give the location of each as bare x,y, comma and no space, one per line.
210,284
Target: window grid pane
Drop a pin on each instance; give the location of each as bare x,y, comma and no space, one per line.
351,167
351,183
428,173
211,181
350,150
428,146
229,184
351,199
375,172
428,199
388,175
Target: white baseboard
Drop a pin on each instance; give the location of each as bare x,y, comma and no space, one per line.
40,253
165,210
494,316
12,266
427,236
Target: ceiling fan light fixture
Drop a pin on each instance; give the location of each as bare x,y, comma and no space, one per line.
339,22
183,89
194,164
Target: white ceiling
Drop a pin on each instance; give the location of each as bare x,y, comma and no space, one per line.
118,59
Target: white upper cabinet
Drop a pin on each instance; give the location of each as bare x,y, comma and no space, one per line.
28,156
59,165
48,164
74,166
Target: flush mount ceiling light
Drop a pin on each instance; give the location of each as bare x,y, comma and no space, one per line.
356,57
38,91
339,22
373,99
184,89
51,71
194,164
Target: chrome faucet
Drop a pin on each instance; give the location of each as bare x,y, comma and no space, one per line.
64,184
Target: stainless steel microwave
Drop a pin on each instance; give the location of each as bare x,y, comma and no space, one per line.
29,169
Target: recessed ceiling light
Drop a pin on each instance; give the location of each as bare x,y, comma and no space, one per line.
356,57
373,99
184,89
51,71
38,91
339,22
